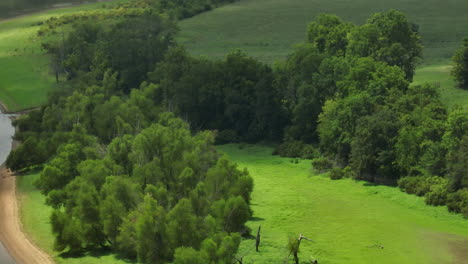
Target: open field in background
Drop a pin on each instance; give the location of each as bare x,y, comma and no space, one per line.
344,217
25,78
35,219
267,29
440,76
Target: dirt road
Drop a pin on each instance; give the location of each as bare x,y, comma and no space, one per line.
11,235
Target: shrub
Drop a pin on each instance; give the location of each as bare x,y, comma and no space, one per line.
322,164
348,172
296,149
419,185
458,202
409,184
336,174
227,136
437,194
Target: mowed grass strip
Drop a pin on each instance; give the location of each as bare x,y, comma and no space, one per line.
35,217
25,78
345,218
266,29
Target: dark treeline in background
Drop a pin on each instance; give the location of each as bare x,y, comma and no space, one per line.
10,8
122,172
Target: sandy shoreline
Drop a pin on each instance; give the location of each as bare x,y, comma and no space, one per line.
15,241
13,238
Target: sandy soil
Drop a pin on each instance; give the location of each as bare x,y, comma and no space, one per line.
11,235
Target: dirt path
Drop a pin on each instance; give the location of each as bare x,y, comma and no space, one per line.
11,235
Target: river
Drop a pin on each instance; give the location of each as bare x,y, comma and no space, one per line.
6,136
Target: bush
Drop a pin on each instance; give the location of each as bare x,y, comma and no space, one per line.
336,174
419,185
458,202
296,149
322,164
227,136
349,172
409,184
437,195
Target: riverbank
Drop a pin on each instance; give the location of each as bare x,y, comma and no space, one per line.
14,240
21,249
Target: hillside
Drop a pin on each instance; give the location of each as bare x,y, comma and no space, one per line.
267,29
25,78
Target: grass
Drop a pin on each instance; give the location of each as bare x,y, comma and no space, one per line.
25,78
440,76
267,29
35,219
344,218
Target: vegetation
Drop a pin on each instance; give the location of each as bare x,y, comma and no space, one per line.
126,144
345,218
25,79
460,65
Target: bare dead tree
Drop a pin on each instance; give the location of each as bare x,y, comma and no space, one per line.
257,240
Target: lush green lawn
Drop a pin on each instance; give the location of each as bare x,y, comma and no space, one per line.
268,28
35,219
345,218
25,78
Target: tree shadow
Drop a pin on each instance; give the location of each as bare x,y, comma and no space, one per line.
96,253
256,219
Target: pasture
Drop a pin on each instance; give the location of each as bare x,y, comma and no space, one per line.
267,29
25,78
345,218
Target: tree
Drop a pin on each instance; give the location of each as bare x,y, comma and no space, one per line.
460,65
390,38
329,34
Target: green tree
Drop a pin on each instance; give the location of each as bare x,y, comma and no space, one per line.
460,65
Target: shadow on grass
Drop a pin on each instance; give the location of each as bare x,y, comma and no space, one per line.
95,253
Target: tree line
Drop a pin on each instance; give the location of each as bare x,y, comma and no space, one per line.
342,97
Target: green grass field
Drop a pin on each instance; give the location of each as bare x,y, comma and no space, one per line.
440,76
344,217
267,29
25,78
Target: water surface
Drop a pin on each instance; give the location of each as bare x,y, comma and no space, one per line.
6,133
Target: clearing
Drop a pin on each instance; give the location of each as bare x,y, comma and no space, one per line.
345,218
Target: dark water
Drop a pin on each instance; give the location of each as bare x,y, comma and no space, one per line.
6,133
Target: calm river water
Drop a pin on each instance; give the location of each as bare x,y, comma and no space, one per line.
6,133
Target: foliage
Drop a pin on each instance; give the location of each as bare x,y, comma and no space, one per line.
296,149
98,204
460,65
336,173
322,164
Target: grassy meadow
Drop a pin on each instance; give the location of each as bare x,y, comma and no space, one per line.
25,78
267,29
345,218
